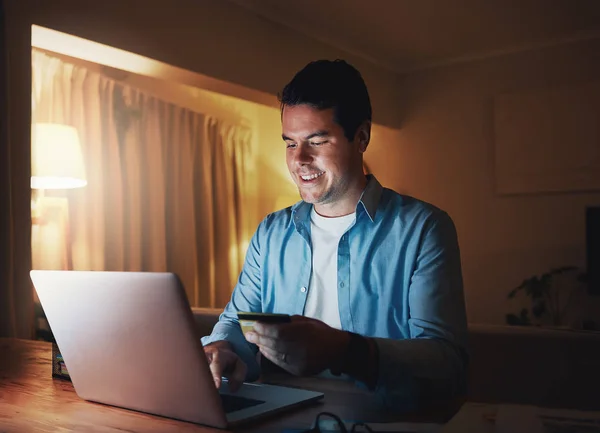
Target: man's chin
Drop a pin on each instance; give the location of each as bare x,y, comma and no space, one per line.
312,195
309,198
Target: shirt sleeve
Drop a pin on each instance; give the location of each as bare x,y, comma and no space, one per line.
246,297
432,363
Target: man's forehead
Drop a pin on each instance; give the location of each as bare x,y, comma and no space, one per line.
305,120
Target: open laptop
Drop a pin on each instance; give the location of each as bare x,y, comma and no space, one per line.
129,340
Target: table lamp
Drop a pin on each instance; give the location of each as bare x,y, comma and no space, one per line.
57,161
56,164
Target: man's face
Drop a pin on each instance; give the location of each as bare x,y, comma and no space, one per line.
325,165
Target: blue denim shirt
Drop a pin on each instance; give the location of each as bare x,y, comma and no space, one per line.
399,281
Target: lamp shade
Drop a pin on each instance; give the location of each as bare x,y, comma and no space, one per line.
56,158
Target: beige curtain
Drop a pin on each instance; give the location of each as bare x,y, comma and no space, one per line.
167,187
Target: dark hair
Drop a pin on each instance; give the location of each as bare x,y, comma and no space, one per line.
324,84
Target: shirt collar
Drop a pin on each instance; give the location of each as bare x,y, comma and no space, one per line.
369,200
371,196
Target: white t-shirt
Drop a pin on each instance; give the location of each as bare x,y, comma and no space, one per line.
322,299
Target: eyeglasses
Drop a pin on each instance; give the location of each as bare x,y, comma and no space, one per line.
327,422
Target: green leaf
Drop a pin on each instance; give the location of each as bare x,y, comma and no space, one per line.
538,308
513,293
538,287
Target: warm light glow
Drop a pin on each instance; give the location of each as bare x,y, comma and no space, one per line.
56,159
80,48
74,46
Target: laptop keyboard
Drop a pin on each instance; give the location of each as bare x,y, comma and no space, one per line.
231,403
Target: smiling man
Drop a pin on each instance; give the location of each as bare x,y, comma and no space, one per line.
371,278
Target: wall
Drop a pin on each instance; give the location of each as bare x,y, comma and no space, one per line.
444,154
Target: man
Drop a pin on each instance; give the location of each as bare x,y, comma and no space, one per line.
372,278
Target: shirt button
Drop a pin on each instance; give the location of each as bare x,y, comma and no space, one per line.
342,284
303,289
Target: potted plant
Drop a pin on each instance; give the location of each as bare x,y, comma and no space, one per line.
550,296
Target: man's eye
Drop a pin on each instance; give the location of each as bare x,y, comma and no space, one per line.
318,143
290,145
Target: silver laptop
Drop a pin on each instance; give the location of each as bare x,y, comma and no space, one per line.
129,340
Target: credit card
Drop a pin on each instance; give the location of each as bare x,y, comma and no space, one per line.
248,319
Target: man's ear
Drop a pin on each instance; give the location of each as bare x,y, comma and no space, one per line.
363,136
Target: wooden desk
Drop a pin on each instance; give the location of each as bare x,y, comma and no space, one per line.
31,401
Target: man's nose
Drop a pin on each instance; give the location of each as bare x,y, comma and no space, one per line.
303,155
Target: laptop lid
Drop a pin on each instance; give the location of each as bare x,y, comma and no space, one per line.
129,340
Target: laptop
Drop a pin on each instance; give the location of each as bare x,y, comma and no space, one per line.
129,339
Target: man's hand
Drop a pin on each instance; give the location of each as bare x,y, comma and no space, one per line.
223,361
303,347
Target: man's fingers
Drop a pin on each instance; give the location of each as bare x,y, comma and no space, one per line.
237,376
274,356
262,340
273,330
216,368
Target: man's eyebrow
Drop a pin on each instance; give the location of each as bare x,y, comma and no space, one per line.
322,133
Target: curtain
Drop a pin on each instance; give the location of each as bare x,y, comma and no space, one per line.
168,188
16,306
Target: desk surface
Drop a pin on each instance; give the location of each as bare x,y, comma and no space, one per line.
30,400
